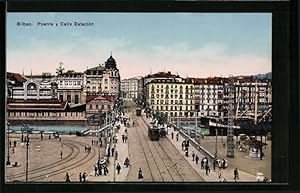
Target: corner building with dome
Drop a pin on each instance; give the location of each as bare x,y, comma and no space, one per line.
102,80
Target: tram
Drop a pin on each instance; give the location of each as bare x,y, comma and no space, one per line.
138,111
153,133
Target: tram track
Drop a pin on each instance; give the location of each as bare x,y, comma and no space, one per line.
164,157
40,173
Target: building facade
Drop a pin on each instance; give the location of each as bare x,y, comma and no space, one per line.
172,96
130,87
31,87
209,96
102,80
70,86
99,104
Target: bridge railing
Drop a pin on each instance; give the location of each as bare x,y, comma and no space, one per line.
199,147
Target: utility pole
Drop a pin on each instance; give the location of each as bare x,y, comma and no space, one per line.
216,152
8,157
27,152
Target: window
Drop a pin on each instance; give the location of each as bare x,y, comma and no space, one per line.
152,101
166,108
161,108
102,107
96,107
61,97
76,99
69,98
91,106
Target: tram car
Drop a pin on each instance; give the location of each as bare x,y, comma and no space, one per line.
153,133
138,111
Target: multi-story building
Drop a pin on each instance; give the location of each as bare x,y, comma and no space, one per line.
102,80
130,87
173,96
70,86
249,91
209,96
31,87
99,104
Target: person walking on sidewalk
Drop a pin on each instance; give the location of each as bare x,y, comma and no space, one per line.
236,174
140,174
118,168
177,137
96,169
202,163
112,151
172,135
197,159
116,155
183,145
193,156
126,162
214,164
207,170
84,177
80,177
61,154
220,173
67,177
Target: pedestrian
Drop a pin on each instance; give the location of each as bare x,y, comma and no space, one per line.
126,162
15,143
13,150
207,170
197,159
132,123
49,136
186,152
112,151
84,177
105,170
193,156
182,145
96,169
223,163
67,177
188,143
220,173
224,145
214,164
123,138
202,164
118,168
100,143
61,154
80,177
172,135
140,174
92,142
116,155
125,130
236,174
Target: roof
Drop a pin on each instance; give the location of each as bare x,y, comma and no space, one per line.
162,75
100,97
37,106
101,68
16,77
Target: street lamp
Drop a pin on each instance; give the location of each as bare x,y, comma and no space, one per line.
8,161
27,152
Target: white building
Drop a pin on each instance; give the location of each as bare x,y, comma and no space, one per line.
209,96
130,87
102,80
70,86
173,96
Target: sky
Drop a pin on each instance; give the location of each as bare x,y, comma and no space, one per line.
190,44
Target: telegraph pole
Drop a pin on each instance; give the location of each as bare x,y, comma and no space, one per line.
27,152
8,158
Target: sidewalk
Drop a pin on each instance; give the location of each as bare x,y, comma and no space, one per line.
213,175
122,149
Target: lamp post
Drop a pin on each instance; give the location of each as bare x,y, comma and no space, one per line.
27,153
8,161
216,153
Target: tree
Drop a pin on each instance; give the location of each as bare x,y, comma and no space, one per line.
60,70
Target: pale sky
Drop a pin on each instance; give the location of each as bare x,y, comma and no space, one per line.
190,44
